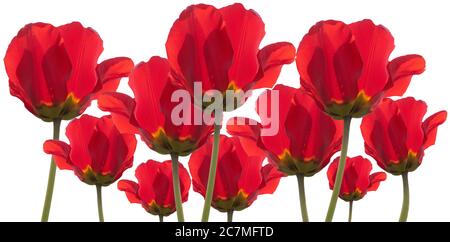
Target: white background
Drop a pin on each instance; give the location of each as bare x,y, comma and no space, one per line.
139,29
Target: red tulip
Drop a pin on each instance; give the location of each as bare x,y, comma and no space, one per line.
240,174
220,49
357,178
150,112
98,153
346,68
395,135
154,189
54,70
307,137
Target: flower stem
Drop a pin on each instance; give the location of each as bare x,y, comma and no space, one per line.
302,197
405,205
212,171
340,171
99,203
51,176
176,188
350,211
161,218
230,216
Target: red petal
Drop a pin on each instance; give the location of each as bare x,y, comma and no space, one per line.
111,71
329,63
146,174
271,60
375,180
244,127
80,132
401,70
60,151
199,49
271,178
121,107
35,54
131,189
147,81
375,44
83,46
245,29
430,126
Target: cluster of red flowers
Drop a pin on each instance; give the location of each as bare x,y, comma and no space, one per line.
345,73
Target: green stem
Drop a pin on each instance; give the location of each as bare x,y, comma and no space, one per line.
350,211
212,171
340,171
302,196
176,188
51,176
230,216
99,203
405,205
161,218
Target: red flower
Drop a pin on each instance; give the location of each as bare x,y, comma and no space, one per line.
357,178
346,68
98,153
395,135
306,139
220,49
150,112
154,189
240,175
54,70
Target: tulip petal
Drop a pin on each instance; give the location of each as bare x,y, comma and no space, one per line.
121,107
270,179
375,180
83,46
131,189
375,44
401,70
271,59
60,151
244,127
430,126
110,72
199,49
245,29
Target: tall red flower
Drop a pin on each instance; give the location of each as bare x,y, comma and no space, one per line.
395,135
154,189
150,112
346,67
357,178
98,153
54,70
240,175
220,49
306,139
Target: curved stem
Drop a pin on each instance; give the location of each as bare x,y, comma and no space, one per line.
176,188
340,171
230,216
302,197
212,171
99,203
51,176
350,211
161,218
405,205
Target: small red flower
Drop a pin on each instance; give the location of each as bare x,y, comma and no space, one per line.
98,153
357,179
150,112
306,139
346,68
395,135
240,175
220,49
154,189
54,70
